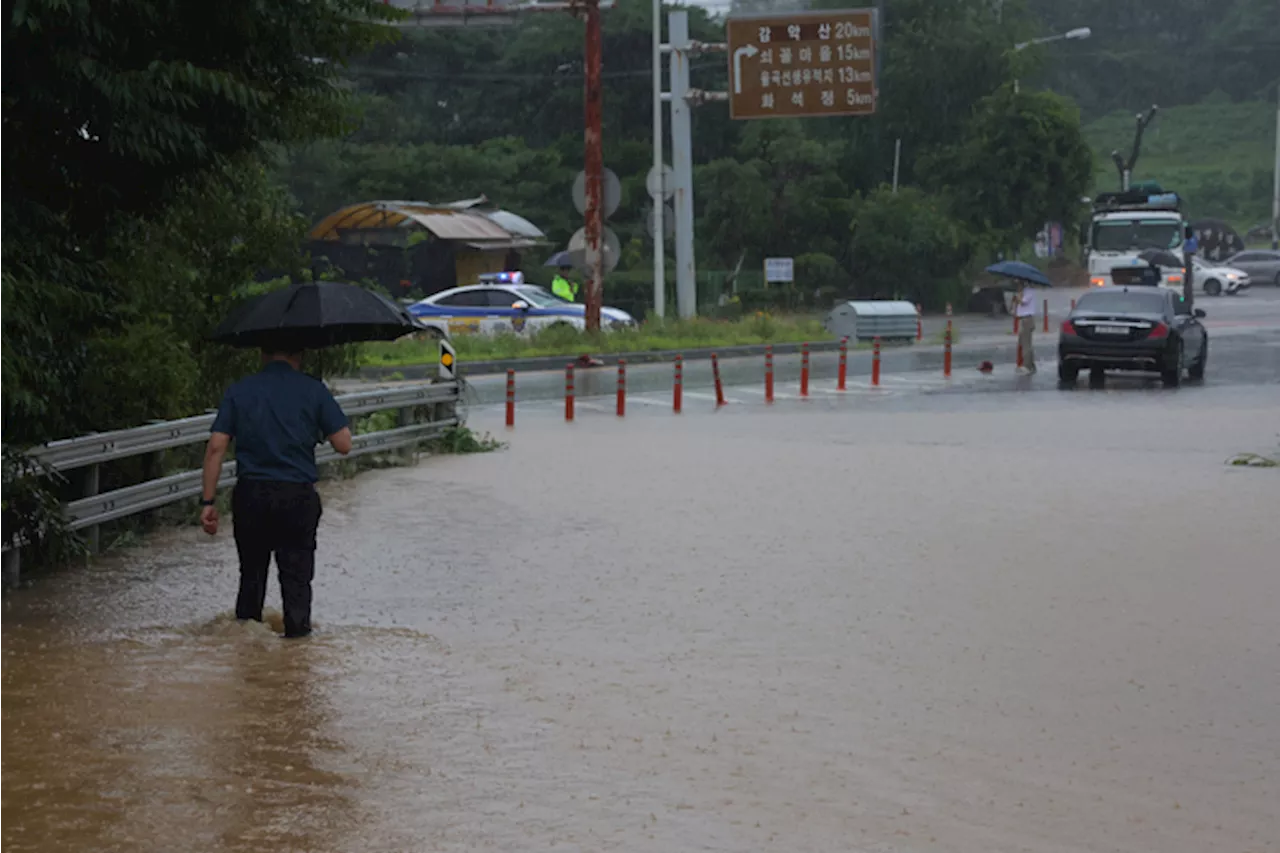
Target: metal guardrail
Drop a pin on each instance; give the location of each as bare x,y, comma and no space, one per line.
97,448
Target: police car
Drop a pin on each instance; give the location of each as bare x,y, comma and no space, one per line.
502,303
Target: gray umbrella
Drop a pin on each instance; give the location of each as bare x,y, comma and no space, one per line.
559,259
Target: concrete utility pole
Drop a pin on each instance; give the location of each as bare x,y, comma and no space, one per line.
1275,178
593,165
659,203
682,162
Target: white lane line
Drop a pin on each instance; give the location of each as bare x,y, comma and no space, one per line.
698,395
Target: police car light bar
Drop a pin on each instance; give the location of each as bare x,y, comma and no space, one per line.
502,278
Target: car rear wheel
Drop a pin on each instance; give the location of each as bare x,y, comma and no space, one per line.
1213,287
1172,376
1067,373
1196,371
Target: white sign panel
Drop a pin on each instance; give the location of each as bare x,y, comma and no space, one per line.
779,269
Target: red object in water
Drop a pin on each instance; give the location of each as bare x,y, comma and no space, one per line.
511,398
946,353
715,370
568,392
622,387
804,370
768,374
677,391
843,370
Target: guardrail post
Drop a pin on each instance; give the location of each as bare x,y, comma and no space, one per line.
92,484
404,418
12,570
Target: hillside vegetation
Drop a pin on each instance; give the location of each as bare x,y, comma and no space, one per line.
1218,155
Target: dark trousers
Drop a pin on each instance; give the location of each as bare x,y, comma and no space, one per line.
277,517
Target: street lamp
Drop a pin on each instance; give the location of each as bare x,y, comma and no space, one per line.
1070,35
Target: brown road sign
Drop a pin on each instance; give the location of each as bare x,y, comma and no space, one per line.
802,64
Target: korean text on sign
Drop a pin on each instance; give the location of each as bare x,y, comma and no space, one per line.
804,64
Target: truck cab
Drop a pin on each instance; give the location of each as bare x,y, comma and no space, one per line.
1125,223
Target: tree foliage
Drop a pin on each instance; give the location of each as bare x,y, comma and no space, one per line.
1021,160
135,203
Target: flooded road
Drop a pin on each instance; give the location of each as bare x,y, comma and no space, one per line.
988,622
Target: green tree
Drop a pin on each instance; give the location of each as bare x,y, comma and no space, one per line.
1021,161
908,245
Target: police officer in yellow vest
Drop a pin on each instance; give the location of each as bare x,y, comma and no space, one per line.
564,288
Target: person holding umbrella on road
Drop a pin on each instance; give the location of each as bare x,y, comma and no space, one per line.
275,418
1023,276
1024,308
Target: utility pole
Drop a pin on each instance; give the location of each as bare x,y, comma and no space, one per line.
1126,168
593,165
682,161
1275,177
659,203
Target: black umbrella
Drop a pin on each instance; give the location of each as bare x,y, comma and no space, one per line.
311,316
1160,258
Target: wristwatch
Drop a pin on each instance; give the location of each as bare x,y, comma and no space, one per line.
204,502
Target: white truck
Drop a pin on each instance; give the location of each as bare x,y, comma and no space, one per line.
1126,223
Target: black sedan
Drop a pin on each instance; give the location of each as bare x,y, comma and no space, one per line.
1147,329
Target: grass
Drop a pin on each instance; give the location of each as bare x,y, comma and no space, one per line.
1216,154
651,336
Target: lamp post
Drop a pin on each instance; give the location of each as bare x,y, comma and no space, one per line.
1070,35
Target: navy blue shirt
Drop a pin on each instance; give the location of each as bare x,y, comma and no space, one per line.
277,416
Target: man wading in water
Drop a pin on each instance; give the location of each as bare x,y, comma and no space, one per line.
276,417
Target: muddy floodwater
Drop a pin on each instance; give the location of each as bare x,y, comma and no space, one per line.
1045,622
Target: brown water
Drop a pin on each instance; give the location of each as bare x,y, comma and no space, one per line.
1020,625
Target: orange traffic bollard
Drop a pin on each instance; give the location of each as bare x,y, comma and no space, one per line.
715,370
804,370
875,364
768,374
1073,303
946,353
919,323
511,398
568,392
1046,315
622,387
843,370
677,390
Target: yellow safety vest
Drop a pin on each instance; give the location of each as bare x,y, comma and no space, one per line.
565,289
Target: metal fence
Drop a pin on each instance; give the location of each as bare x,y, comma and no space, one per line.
438,402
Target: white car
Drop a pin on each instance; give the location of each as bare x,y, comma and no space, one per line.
503,303
1215,280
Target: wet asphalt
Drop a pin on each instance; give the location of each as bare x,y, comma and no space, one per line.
978,614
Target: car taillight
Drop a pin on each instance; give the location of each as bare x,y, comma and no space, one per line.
1068,328
1097,282
1159,330
1175,278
